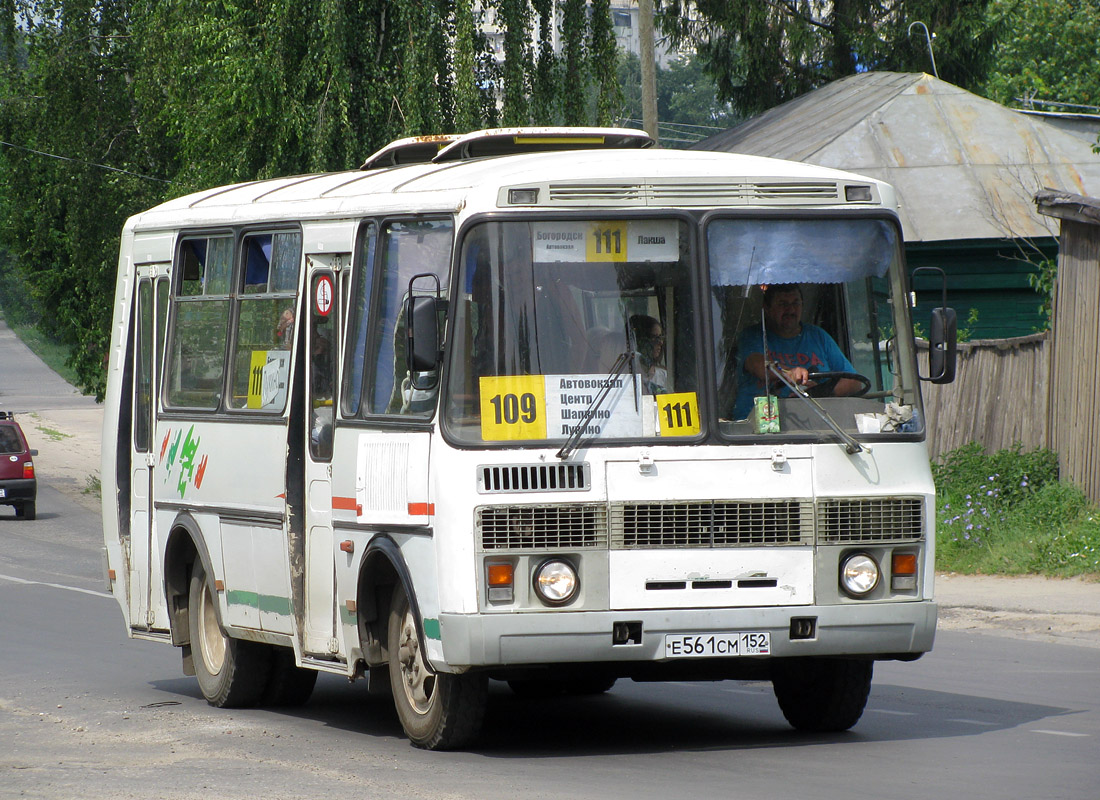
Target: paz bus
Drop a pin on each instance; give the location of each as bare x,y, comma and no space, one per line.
468,414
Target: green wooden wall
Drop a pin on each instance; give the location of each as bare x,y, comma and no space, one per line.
990,276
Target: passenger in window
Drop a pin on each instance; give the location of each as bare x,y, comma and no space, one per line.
797,348
649,339
284,331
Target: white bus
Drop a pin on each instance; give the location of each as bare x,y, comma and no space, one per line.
477,411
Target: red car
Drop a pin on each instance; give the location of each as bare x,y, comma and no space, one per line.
18,486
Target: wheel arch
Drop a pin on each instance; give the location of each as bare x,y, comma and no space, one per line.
184,547
383,567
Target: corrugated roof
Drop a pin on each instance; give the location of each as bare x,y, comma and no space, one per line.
964,167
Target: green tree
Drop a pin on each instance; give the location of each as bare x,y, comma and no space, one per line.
60,218
1049,51
762,53
102,102
688,108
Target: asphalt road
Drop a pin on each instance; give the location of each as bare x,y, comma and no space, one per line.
86,712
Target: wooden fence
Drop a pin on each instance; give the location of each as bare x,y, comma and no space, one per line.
999,396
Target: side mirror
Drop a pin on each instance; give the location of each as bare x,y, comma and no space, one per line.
422,351
942,346
943,338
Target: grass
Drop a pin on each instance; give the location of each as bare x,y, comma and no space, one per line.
1006,513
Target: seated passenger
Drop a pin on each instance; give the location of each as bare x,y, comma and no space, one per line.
796,347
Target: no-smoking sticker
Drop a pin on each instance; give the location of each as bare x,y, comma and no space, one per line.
322,296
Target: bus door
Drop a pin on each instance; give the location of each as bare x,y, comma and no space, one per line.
321,360
150,315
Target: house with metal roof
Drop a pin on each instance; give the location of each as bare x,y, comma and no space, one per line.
966,170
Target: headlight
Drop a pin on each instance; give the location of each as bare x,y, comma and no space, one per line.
556,582
859,574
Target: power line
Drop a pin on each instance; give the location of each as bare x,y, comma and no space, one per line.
81,161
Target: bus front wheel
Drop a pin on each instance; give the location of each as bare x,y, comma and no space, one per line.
438,711
232,673
822,694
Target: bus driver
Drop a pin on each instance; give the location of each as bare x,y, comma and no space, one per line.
797,348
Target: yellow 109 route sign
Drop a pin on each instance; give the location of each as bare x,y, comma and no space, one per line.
513,407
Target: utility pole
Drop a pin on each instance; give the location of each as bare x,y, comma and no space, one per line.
649,67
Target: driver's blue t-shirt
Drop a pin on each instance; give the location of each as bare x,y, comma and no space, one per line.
812,349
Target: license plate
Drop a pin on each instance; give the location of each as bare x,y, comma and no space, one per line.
3,492
718,645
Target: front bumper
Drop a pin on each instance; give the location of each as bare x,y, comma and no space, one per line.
889,630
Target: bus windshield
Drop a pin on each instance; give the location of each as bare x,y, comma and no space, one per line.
570,321
809,308
587,330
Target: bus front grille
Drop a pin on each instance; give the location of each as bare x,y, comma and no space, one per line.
743,523
859,520
542,527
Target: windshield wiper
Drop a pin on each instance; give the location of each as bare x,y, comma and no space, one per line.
851,446
617,369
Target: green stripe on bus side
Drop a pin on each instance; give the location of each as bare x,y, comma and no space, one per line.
431,629
268,603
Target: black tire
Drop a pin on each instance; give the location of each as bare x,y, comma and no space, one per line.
822,694
289,685
437,711
232,673
26,510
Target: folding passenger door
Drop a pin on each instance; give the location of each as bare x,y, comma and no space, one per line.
322,356
150,314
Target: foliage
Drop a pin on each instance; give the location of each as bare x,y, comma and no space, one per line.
761,54
1048,51
686,100
1007,512
60,219
150,99
1042,281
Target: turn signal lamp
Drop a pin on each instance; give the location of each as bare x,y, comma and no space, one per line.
501,581
903,568
28,469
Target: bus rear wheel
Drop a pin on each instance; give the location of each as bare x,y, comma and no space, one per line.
232,673
822,694
289,685
438,711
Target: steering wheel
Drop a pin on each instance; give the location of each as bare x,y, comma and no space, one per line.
827,378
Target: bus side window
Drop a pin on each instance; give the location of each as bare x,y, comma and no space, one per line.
265,320
408,248
200,313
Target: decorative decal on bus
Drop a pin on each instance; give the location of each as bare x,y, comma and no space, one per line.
191,467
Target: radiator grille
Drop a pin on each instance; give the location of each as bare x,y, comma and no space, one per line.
711,524
870,520
506,478
549,527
